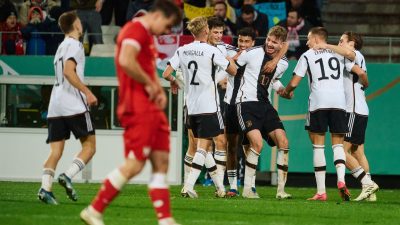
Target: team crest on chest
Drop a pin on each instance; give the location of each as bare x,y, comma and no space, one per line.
249,123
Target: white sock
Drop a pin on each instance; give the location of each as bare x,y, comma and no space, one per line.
282,162
361,176
76,166
158,181
187,165
117,179
319,167
250,169
220,160
213,171
197,165
47,178
232,177
253,180
339,161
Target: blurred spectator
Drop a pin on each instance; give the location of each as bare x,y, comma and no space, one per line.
55,35
89,13
296,25
45,5
12,43
220,9
251,18
136,5
118,7
309,9
6,6
35,44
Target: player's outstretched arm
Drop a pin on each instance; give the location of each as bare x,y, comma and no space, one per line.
270,66
70,74
347,53
288,91
361,74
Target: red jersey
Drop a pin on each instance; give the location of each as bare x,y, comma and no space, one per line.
132,96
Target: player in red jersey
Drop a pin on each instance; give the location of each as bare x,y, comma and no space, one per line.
140,111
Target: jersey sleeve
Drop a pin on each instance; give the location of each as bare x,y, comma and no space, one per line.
348,64
73,51
301,66
174,60
280,69
134,35
360,61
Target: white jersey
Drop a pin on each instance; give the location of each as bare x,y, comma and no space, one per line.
199,62
325,70
254,84
354,90
66,100
231,51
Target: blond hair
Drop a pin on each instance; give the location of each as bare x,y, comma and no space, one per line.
197,24
279,32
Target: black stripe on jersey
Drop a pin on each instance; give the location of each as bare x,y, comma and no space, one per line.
236,83
83,101
308,70
213,69
285,59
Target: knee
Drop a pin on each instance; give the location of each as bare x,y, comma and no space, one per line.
257,146
283,143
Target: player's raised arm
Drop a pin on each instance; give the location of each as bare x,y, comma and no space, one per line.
231,69
271,65
347,53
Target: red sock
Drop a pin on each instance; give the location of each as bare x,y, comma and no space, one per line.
160,199
104,197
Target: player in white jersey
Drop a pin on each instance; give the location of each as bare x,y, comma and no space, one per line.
327,107
355,83
199,61
68,110
257,118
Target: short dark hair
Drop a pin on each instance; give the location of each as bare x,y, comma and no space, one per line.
66,21
247,9
320,31
168,8
214,21
299,13
247,31
356,37
222,3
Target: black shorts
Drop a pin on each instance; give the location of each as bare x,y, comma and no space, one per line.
60,128
186,121
231,119
319,121
206,125
357,126
259,115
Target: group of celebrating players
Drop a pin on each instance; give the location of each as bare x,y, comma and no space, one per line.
337,80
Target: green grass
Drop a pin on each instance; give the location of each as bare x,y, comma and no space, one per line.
19,205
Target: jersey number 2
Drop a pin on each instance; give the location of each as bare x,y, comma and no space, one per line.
335,67
192,82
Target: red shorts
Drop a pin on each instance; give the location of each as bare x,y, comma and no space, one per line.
146,132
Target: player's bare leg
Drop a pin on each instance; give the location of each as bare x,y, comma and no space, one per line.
233,141
282,162
319,162
192,147
340,164
78,164
93,214
253,154
369,187
45,193
220,155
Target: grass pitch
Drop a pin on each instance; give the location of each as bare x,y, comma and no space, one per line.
19,205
